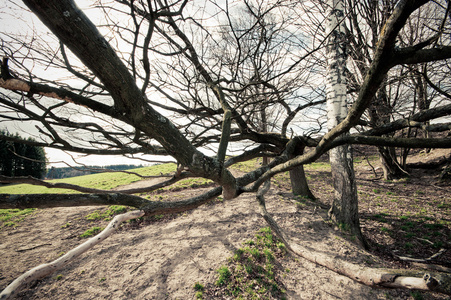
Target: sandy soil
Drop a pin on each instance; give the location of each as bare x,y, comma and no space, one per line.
162,259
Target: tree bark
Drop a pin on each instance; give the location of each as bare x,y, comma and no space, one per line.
299,185
344,209
390,165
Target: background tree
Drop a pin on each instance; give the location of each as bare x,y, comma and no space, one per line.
403,91
19,159
251,52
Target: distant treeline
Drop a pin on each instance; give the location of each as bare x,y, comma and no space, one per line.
18,158
55,173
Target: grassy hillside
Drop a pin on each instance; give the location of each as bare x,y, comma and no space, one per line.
108,181
104,181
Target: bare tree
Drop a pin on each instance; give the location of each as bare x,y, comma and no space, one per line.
403,90
252,51
111,109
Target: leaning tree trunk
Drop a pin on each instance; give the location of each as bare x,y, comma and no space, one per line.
344,209
390,165
380,112
299,185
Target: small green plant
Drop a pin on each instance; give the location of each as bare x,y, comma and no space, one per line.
408,245
249,268
255,253
102,279
91,231
238,254
434,226
199,290
10,224
380,217
224,275
265,230
282,247
198,286
385,229
116,209
438,245
268,254
94,216
250,242
416,295
344,227
158,217
66,225
59,277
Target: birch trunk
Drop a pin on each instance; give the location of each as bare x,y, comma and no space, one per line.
344,209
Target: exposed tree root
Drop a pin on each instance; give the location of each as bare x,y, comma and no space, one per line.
48,268
394,278
421,260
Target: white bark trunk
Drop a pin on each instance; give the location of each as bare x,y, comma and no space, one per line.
344,210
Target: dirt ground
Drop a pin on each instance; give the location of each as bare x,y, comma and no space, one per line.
162,258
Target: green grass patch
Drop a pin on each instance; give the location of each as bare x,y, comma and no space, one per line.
198,286
224,275
106,215
409,235
408,245
385,229
443,205
11,217
190,183
434,226
247,166
251,272
380,217
91,231
317,166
